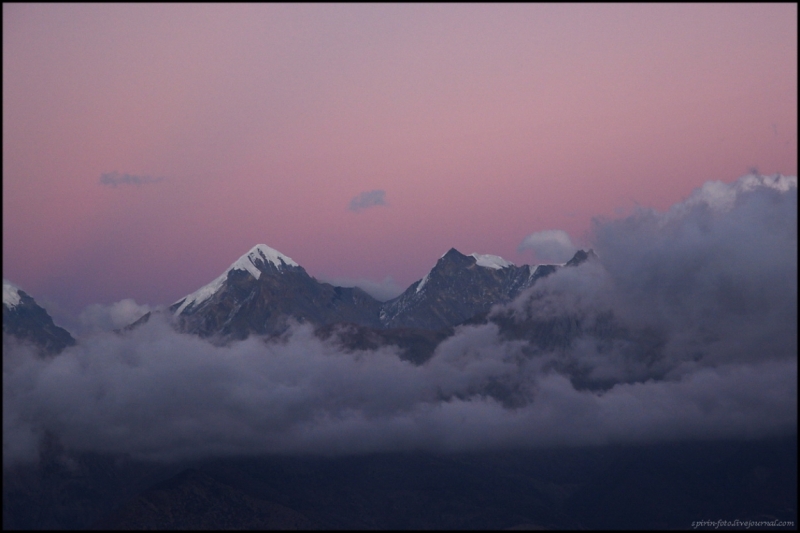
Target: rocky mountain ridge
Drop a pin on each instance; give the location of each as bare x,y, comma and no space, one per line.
27,321
264,289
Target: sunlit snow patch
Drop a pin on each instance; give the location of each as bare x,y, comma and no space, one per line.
491,261
422,282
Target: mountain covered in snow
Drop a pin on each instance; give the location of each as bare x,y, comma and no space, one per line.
27,321
264,289
261,291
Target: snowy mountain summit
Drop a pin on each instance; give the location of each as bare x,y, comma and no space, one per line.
258,259
11,296
460,287
260,291
26,320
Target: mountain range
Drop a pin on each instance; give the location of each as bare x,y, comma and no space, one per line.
264,288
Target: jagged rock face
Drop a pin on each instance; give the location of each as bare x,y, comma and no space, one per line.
581,256
457,289
246,305
27,321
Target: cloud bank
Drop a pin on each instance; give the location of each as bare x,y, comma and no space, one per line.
367,199
684,328
114,179
549,246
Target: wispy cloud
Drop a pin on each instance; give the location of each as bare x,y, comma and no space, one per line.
115,178
368,199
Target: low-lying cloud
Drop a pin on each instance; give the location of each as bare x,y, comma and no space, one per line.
684,328
367,199
97,317
114,179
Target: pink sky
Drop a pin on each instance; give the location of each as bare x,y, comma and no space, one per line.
482,124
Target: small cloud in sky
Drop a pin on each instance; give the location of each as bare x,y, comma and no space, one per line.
552,245
368,199
115,178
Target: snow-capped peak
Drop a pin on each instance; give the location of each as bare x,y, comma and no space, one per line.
264,253
494,262
10,294
247,262
491,261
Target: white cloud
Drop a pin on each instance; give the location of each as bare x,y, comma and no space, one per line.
549,246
